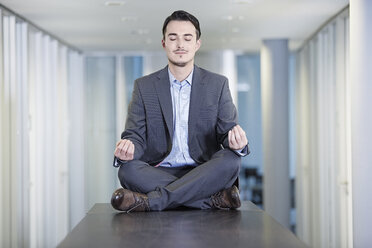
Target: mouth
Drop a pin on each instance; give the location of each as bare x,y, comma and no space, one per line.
180,52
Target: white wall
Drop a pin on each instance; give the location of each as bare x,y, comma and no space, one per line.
323,180
34,122
361,118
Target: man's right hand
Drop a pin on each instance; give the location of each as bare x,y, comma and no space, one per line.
124,150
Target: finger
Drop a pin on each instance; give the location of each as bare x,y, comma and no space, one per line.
125,148
237,134
118,147
238,129
128,148
233,140
131,151
241,131
121,148
235,127
241,137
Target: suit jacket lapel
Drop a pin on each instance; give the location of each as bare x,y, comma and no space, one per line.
198,91
162,87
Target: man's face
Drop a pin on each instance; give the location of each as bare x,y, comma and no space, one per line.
180,42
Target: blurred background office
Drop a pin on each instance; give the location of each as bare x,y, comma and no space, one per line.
298,73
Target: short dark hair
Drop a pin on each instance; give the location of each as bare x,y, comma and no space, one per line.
181,15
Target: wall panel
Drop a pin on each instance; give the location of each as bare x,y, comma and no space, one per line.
323,167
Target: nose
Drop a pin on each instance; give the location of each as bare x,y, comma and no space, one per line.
179,43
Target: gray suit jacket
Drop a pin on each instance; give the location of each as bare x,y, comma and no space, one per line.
149,122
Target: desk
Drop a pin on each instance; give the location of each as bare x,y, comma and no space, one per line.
247,227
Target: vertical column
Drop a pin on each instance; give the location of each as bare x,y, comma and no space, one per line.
2,123
229,70
76,139
222,62
361,133
5,159
62,210
21,179
275,119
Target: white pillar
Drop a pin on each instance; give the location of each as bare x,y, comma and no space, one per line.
361,102
222,62
275,124
76,157
229,70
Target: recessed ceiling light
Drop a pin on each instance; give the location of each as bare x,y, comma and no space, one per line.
140,31
228,18
129,18
242,1
114,3
231,18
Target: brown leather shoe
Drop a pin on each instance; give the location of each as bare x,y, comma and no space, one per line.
126,200
226,199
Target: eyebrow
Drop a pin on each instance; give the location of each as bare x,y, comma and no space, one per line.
171,34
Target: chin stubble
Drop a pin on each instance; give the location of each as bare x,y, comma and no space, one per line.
179,64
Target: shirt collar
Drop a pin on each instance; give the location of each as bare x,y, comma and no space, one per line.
188,79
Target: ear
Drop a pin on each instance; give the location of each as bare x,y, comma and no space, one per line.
163,43
198,44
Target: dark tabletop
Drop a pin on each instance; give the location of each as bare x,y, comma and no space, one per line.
247,227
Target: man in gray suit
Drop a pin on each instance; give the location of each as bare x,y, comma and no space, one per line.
181,145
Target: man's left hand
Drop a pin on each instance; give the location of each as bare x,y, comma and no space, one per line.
237,138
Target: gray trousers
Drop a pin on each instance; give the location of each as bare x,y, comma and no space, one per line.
188,186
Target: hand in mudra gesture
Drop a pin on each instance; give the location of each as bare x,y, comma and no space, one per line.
237,138
124,150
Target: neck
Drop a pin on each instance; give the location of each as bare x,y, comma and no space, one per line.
181,72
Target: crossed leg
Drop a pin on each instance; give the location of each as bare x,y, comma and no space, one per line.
172,187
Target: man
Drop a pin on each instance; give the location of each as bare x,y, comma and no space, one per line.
181,145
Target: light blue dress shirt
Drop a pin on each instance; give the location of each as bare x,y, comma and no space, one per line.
180,92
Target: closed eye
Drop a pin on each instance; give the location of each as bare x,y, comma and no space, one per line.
188,37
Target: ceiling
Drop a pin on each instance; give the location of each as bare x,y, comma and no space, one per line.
135,25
